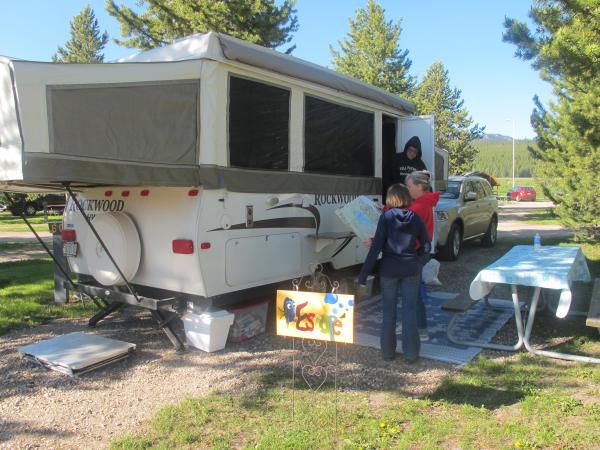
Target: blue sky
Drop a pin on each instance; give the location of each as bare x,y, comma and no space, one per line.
465,35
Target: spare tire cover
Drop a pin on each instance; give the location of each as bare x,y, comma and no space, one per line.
119,234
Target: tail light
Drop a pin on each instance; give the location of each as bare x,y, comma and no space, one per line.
183,246
68,235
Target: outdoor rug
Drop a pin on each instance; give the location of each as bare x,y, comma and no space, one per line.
479,324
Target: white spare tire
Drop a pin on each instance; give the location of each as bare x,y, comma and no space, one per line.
119,234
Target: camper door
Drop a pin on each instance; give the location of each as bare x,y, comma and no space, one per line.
423,127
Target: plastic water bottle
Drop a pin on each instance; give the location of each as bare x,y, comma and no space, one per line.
537,241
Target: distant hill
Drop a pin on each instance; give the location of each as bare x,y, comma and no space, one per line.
495,156
494,137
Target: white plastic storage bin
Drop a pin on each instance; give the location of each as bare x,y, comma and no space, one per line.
207,331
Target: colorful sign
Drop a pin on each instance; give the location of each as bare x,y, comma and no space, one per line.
315,315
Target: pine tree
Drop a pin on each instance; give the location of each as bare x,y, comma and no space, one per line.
86,43
257,21
565,50
454,128
371,54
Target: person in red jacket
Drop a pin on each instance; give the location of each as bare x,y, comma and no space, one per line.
423,202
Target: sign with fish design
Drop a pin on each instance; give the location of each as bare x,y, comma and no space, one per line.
316,315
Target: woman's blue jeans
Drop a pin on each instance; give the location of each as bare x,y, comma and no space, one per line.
421,312
391,289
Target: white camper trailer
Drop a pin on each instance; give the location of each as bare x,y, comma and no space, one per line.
205,168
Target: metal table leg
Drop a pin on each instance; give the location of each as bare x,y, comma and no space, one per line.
550,354
509,348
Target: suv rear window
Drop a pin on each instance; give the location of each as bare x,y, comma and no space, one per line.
452,191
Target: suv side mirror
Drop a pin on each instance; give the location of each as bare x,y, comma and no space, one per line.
470,196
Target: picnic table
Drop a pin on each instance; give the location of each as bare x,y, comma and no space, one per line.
549,267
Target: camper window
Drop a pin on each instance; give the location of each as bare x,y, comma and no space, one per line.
259,119
337,139
148,122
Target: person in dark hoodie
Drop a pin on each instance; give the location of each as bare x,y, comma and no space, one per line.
398,231
408,161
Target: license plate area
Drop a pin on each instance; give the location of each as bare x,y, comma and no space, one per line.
70,249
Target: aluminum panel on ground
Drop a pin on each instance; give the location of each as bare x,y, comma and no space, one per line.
76,353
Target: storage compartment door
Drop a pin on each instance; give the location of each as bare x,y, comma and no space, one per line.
262,259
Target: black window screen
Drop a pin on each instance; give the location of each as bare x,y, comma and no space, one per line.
149,122
337,139
259,118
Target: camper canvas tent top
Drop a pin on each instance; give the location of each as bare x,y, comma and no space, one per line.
210,168
155,118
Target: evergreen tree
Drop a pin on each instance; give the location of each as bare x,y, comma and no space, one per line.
454,128
565,50
257,21
370,52
86,43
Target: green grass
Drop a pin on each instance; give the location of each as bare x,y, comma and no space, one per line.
10,223
20,246
526,402
542,217
27,295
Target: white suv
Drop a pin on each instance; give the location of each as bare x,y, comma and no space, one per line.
467,209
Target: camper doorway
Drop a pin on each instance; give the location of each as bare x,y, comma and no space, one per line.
394,136
388,149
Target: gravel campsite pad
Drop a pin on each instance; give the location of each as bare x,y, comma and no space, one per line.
46,409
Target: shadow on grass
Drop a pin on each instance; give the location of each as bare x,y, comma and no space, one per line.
453,391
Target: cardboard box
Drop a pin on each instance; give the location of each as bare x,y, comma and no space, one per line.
250,320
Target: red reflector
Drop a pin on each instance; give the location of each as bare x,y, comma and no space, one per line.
145,193
193,193
125,193
205,245
108,193
183,246
68,235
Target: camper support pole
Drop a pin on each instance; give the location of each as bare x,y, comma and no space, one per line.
58,264
107,310
87,219
166,327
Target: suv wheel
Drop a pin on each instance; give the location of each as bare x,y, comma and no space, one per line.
491,235
451,250
30,209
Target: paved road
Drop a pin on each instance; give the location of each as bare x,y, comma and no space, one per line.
23,236
511,222
30,250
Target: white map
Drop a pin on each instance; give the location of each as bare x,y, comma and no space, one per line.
361,215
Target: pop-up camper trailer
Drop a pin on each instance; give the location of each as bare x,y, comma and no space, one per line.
205,168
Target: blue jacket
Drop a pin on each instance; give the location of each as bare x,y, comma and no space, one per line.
396,235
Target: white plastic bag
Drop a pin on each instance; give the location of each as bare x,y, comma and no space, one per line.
430,272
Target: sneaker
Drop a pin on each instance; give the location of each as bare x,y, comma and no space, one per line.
411,360
423,334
